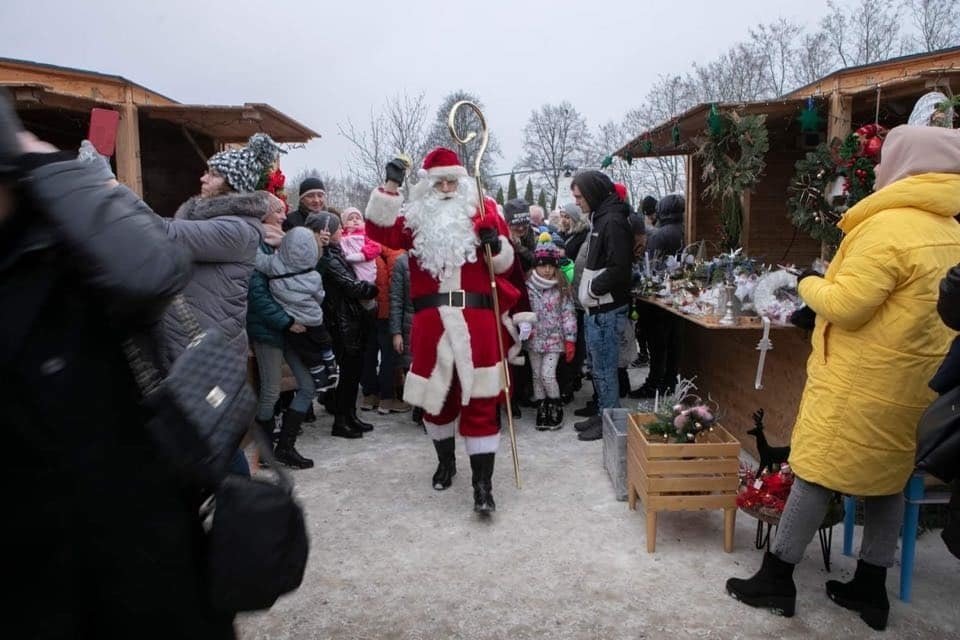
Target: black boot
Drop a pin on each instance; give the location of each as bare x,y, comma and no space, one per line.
587,411
286,453
624,381
268,426
542,419
342,429
446,464
515,409
354,421
646,390
771,587
482,466
866,593
588,424
555,414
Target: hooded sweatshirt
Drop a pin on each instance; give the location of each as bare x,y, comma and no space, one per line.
667,238
605,284
294,280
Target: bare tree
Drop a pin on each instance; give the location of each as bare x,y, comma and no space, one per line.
773,44
397,128
813,59
439,136
937,23
868,32
736,76
555,140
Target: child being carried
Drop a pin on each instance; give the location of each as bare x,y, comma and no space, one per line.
296,285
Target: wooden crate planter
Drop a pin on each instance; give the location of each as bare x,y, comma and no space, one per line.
682,477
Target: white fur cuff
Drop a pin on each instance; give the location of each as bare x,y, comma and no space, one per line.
524,316
383,208
503,260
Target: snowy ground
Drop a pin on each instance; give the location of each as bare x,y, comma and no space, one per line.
561,558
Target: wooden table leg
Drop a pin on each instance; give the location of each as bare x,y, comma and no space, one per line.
729,524
651,530
631,496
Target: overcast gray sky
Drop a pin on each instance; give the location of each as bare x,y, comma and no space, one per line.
321,62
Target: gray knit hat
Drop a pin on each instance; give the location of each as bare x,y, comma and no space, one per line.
572,211
244,169
516,211
322,221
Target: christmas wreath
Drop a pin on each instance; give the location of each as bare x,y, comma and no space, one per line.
732,151
812,205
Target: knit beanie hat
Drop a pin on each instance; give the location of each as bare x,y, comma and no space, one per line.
350,212
322,221
516,211
572,211
311,184
546,251
246,169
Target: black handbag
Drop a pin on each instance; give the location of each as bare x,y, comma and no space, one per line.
938,437
202,407
257,544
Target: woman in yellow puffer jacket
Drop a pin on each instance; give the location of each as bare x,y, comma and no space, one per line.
876,344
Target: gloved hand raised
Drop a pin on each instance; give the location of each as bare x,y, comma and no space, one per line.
489,236
396,170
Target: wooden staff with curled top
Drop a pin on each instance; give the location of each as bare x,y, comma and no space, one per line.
504,375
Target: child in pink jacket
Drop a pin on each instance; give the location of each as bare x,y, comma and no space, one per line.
359,251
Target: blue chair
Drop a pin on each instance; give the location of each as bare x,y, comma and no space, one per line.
914,495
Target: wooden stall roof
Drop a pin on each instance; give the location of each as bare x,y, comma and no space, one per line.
232,124
43,96
908,74
693,121
81,83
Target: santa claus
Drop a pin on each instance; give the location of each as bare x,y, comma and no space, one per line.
456,374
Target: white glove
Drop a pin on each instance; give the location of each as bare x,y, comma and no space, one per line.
525,330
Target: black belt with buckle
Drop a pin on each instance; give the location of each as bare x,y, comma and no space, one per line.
459,299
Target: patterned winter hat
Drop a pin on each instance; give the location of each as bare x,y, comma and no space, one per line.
245,169
546,251
516,212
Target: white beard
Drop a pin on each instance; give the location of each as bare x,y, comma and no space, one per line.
442,226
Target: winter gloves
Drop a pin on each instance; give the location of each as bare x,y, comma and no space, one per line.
490,237
396,169
525,329
569,351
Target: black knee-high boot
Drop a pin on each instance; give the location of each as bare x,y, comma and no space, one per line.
446,463
482,466
286,453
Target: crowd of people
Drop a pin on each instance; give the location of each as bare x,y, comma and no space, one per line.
411,305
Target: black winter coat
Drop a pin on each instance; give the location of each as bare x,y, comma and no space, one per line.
948,306
99,525
667,238
573,242
295,218
344,316
610,253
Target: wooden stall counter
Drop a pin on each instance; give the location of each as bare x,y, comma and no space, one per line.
723,361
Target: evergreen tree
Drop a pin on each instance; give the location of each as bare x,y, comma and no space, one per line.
500,195
542,199
528,194
553,203
512,188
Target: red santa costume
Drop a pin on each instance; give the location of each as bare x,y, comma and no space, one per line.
456,370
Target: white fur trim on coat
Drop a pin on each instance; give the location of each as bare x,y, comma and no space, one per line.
524,316
482,444
514,352
503,260
441,431
383,208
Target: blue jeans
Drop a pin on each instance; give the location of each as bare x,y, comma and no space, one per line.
603,342
269,361
379,381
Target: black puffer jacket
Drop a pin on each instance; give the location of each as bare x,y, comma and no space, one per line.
667,238
948,306
344,316
296,218
605,283
99,524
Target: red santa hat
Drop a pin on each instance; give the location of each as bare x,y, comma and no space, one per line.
442,162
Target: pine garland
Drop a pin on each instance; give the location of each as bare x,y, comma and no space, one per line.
732,151
807,205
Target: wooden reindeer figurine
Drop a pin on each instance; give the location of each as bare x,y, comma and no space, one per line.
769,456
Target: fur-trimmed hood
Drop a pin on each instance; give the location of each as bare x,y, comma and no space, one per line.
242,205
